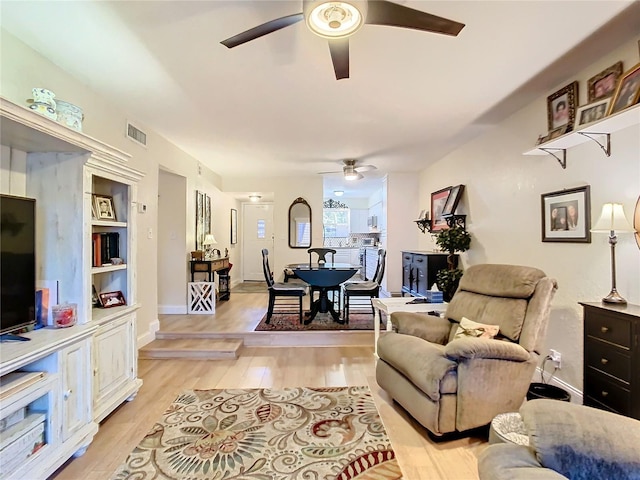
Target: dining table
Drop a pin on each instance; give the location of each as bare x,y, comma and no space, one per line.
324,277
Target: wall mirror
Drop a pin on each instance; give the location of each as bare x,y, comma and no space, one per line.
300,224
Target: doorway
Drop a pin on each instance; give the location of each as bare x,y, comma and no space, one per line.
257,233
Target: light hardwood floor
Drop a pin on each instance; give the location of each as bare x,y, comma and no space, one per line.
260,367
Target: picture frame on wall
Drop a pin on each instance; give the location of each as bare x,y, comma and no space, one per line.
199,220
627,92
561,107
438,201
603,84
234,226
103,207
566,215
592,112
455,194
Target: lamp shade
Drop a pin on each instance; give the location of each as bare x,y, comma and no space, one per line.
612,218
209,239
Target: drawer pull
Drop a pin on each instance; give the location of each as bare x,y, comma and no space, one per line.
604,393
67,394
604,361
604,329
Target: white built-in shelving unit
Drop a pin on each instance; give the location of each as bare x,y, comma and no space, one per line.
90,368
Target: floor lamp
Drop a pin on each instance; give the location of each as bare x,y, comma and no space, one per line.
612,221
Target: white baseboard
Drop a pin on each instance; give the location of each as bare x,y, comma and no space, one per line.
150,335
172,309
576,395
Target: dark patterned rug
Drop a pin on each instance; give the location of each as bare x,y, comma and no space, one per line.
250,287
262,434
323,321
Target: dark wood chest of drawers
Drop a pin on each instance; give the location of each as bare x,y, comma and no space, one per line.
419,271
612,357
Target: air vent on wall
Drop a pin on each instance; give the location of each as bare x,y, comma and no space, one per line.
137,135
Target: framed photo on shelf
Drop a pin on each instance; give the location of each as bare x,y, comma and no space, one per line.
438,201
112,299
561,107
566,215
628,91
103,207
592,111
455,194
603,84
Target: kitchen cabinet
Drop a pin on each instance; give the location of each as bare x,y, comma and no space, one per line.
358,220
612,357
419,270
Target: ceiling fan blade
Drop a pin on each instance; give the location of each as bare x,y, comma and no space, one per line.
391,14
261,30
340,56
325,173
365,168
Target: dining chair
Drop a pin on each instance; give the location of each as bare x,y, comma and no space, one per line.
281,295
364,290
322,258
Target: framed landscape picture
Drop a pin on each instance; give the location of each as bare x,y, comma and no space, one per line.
566,215
438,201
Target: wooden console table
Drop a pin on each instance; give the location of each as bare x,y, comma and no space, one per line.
208,267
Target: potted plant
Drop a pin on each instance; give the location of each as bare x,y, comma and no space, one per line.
451,240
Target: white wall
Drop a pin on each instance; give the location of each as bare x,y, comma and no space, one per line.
502,201
172,238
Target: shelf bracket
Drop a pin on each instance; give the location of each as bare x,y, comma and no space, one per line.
551,151
591,136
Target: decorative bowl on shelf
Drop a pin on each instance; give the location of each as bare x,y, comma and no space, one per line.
69,115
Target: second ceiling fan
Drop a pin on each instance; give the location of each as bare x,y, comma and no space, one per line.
337,20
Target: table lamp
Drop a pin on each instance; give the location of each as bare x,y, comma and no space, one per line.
209,240
612,220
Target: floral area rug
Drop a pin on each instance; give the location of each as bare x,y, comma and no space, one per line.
322,321
332,433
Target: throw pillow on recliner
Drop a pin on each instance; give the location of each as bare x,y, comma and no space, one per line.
469,328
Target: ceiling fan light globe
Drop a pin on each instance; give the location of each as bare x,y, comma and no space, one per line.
337,19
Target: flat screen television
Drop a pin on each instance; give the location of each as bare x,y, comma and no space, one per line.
17,266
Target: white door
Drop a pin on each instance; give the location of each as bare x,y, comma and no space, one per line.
257,233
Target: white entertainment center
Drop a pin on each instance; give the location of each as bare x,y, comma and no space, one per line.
89,369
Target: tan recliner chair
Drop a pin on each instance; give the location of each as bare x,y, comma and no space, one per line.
451,385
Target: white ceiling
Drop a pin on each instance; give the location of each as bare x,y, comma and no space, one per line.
272,106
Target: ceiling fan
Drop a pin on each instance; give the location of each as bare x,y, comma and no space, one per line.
337,20
351,171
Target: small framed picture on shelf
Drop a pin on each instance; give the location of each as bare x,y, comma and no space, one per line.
452,200
603,84
112,299
593,112
628,91
438,201
561,107
103,206
95,299
566,215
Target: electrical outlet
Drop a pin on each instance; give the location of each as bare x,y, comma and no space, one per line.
556,356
